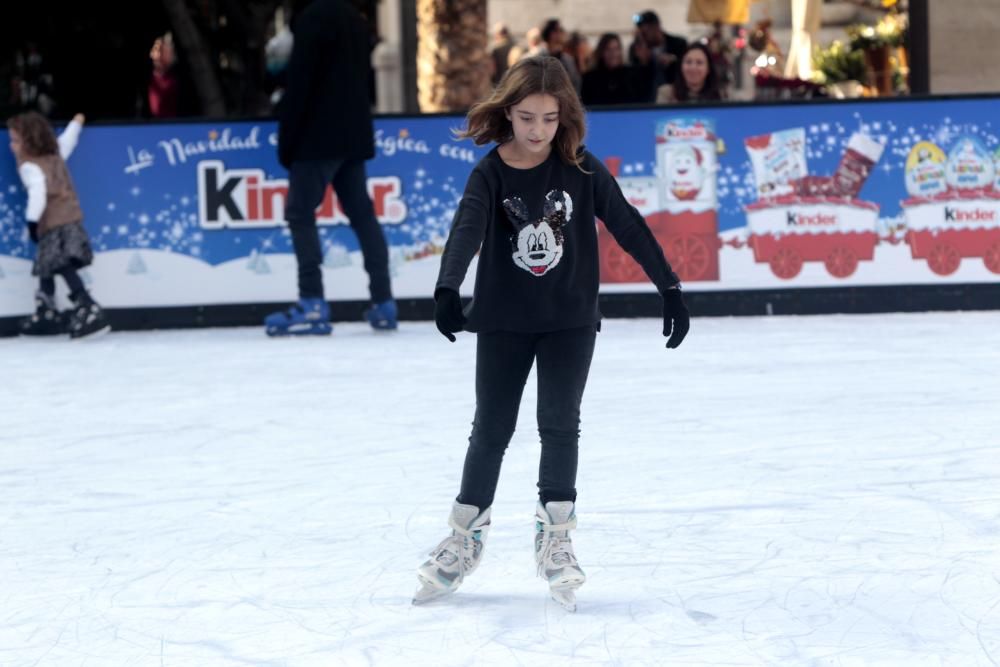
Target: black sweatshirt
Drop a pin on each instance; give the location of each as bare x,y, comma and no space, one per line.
538,264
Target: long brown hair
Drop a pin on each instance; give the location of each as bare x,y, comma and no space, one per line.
710,89
487,120
36,134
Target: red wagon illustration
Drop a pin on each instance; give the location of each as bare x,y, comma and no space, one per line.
788,231
689,240
679,203
945,228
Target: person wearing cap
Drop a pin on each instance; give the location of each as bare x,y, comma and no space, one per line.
657,51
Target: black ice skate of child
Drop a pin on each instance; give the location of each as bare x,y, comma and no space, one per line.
538,244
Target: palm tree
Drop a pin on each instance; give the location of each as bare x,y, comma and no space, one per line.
452,59
206,82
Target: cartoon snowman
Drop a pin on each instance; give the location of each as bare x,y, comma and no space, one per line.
685,172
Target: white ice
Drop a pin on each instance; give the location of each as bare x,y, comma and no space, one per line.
778,491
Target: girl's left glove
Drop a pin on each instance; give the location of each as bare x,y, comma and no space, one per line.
33,231
676,320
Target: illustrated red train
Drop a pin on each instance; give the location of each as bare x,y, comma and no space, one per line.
785,232
689,240
945,228
678,201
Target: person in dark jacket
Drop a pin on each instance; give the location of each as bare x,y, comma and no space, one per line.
325,134
657,51
609,80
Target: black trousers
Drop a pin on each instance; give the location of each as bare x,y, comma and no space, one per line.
73,282
307,181
503,361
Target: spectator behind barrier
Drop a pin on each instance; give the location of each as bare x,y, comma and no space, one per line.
662,52
500,53
578,48
554,37
609,80
698,81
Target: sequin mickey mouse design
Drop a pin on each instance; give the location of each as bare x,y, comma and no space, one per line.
538,244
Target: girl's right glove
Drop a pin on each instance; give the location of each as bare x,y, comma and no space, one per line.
676,320
448,313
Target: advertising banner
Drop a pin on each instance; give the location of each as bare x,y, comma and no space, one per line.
740,197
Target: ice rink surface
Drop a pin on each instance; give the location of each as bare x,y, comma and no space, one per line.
777,491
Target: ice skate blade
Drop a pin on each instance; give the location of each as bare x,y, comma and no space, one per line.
565,597
427,593
281,332
383,325
93,334
321,329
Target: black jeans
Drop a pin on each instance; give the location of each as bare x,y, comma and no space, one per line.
307,181
503,361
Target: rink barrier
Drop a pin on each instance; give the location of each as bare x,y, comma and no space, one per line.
744,303
865,213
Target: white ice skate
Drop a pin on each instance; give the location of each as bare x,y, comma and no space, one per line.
457,556
554,552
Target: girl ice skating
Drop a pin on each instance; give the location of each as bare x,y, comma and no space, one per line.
529,209
55,224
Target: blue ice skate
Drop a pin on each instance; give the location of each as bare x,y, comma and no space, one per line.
308,317
382,316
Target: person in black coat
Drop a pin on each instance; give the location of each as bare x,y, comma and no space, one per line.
657,51
325,134
609,80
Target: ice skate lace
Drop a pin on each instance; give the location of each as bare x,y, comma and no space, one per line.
455,544
558,549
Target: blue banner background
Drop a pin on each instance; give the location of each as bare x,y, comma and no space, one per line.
139,189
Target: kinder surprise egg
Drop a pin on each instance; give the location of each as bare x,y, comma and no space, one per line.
925,175
969,165
685,172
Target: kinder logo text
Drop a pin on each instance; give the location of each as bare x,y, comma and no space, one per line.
243,198
815,220
689,132
952,214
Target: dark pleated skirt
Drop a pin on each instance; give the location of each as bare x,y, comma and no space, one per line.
65,247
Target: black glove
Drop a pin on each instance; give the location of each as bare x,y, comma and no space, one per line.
448,313
676,321
33,231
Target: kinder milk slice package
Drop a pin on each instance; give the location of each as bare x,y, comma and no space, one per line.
778,159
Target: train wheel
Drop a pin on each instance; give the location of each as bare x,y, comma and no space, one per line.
617,266
992,258
786,263
689,256
943,259
841,262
